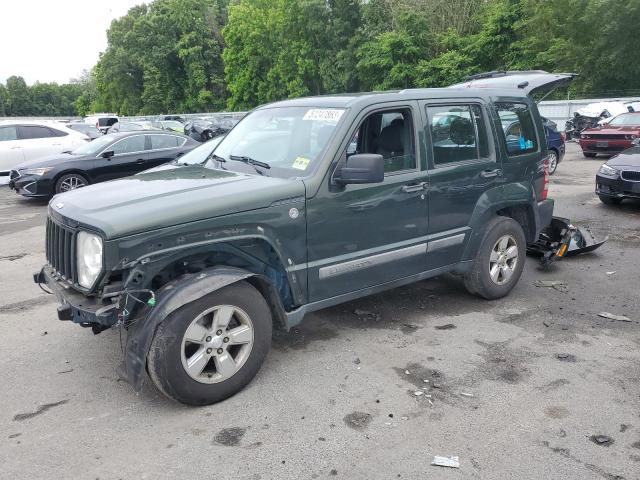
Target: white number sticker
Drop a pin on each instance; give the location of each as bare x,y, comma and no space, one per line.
324,114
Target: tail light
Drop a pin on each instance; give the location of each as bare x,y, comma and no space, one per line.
545,185
564,136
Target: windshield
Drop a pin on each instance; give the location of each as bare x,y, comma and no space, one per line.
626,120
289,139
201,153
93,148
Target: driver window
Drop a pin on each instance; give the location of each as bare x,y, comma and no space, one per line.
458,133
388,133
128,145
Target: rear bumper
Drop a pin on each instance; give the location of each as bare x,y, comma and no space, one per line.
74,305
617,187
545,214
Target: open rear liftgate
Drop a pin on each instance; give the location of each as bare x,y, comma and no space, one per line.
562,239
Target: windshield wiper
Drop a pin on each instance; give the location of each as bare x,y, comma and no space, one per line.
251,161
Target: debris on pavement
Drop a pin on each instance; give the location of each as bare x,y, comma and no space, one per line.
452,462
448,326
602,440
465,394
612,316
559,285
417,393
366,314
546,324
562,239
566,357
611,273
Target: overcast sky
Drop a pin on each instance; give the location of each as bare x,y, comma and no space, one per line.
53,41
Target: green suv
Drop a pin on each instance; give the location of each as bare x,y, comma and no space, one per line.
305,204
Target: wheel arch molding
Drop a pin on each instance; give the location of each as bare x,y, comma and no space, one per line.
175,294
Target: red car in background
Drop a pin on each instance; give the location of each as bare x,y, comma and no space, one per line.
612,137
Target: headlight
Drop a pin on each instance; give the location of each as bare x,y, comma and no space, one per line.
607,170
36,171
89,258
631,137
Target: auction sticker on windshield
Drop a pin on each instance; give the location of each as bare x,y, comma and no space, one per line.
301,163
324,114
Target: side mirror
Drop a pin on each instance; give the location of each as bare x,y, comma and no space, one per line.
361,168
108,154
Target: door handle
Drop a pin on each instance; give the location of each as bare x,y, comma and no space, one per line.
140,161
415,187
491,173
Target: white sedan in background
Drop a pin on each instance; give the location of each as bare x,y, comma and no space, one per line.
21,141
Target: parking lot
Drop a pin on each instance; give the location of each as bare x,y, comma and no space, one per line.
523,387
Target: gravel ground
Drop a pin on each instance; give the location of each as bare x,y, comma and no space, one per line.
517,388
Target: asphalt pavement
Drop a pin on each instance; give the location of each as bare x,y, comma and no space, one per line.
535,385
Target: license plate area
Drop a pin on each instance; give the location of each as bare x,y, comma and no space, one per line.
602,144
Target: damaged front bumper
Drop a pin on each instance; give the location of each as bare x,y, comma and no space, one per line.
562,239
75,306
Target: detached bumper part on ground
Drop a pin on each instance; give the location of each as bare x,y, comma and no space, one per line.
562,239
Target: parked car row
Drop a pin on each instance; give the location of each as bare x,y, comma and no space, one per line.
27,140
112,156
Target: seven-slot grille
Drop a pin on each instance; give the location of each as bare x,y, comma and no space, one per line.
630,175
61,250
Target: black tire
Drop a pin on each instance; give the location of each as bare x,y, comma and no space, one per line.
164,361
589,155
478,281
553,165
610,200
70,178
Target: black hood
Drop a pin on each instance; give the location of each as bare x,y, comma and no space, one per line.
52,161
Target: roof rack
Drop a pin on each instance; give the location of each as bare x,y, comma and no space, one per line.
500,73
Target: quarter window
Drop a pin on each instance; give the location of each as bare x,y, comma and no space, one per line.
165,141
8,133
29,132
518,128
458,133
390,134
128,145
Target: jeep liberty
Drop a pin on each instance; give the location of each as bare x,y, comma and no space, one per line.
306,203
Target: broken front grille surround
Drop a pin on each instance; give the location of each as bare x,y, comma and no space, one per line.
60,250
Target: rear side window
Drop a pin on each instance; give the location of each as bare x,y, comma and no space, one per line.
106,121
8,133
518,128
128,145
28,132
165,141
458,133
57,133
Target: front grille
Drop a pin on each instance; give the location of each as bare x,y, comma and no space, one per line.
607,136
60,250
14,174
630,175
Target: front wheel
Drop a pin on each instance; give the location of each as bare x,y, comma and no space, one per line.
210,349
499,260
71,181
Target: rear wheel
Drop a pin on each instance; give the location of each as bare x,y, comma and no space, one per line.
553,161
210,349
71,181
499,261
610,200
589,155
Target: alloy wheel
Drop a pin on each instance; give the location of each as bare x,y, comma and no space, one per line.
217,343
503,259
71,183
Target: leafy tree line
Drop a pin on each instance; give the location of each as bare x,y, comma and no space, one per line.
205,55
41,99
